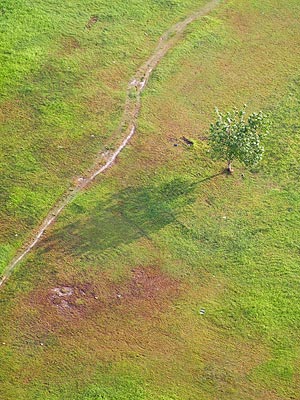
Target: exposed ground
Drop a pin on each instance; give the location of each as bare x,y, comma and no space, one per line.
173,281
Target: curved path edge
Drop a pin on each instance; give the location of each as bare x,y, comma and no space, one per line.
127,127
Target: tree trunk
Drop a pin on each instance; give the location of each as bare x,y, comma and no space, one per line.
229,167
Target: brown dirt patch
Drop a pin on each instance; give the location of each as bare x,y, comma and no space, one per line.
146,291
239,22
69,45
105,319
11,110
69,299
147,288
92,21
113,77
101,103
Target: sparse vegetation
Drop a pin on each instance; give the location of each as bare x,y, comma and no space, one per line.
158,239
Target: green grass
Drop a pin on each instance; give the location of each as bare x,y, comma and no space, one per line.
62,91
226,244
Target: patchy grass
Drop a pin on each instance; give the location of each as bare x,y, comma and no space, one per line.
165,235
63,83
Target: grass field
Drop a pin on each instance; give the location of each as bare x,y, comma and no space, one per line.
109,305
65,67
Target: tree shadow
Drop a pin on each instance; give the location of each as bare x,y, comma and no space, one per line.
209,178
125,217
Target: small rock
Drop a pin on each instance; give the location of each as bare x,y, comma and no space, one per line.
3,343
119,296
96,297
42,344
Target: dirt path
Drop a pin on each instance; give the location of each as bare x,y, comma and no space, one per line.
127,127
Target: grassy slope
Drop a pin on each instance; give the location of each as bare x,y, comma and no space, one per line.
62,89
225,244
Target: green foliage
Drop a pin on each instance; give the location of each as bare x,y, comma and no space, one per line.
233,136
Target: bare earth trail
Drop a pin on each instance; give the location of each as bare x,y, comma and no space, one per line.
127,128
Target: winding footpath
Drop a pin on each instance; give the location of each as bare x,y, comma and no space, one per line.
127,127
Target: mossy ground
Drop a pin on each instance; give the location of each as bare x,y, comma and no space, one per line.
165,234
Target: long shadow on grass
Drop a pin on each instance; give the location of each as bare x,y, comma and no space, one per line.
127,216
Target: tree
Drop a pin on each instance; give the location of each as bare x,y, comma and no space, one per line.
234,137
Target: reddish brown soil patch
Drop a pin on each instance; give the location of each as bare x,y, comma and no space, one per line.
11,110
101,102
62,296
105,319
71,322
147,291
92,21
240,23
69,45
112,76
147,284
69,298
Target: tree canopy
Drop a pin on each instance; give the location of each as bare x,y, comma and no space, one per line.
237,137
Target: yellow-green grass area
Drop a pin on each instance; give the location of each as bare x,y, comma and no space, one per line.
169,279
64,70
